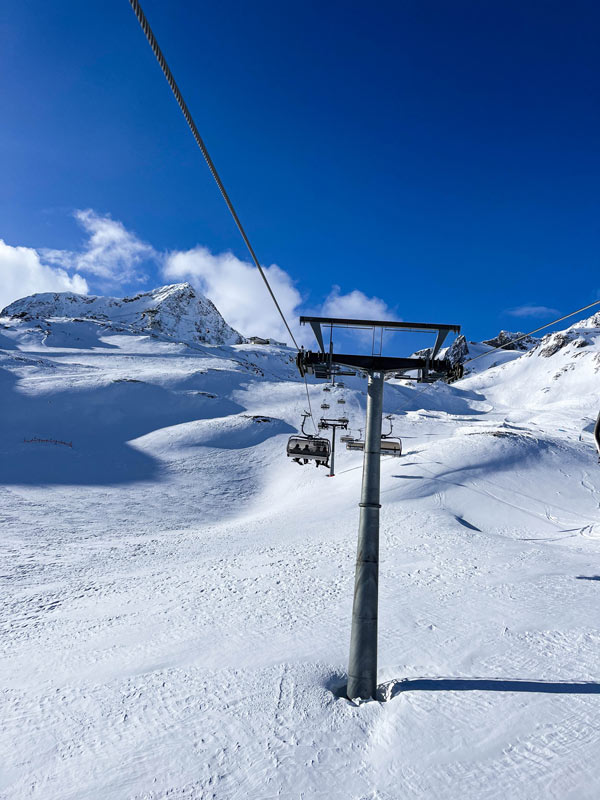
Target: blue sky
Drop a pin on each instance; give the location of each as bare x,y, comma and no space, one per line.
435,161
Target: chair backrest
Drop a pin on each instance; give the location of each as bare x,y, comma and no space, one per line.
312,447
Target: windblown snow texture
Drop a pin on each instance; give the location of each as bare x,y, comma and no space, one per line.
177,594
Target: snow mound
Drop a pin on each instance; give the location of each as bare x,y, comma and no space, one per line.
176,311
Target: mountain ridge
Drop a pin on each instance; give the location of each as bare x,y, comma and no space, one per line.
177,311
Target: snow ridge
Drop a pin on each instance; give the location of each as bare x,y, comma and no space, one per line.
176,311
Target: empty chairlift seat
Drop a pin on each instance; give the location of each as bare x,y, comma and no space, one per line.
389,447
355,444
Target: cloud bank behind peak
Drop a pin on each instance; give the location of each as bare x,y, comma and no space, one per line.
113,257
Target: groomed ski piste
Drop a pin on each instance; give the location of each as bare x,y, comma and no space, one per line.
177,593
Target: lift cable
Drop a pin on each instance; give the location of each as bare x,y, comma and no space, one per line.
188,117
309,405
525,335
213,170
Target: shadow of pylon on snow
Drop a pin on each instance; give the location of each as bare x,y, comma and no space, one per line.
389,690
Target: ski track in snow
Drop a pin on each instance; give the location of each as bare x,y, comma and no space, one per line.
177,595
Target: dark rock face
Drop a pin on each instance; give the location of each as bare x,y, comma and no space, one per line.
554,342
506,340
455,354
458,350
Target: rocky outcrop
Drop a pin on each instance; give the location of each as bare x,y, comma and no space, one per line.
507,341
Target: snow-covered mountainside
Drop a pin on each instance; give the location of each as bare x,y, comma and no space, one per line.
463,352
175,311
177,593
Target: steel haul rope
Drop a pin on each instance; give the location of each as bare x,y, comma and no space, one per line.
190,121
525,335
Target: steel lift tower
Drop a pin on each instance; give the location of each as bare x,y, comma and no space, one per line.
362,669
334,424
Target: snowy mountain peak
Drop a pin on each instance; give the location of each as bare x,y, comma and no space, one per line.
177,311
509,340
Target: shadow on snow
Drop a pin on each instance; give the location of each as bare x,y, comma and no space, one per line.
387,691
337,683
100,421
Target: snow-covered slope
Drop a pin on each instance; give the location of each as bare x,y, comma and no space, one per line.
177,594
561,372
176,311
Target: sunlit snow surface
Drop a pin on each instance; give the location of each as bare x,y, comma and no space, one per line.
177,594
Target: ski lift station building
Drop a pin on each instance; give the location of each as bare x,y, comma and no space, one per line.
260,340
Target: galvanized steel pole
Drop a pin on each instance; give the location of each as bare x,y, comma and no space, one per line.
362,669
332,462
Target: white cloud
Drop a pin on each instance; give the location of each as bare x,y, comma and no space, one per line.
22,273
238,291
355,305
112,253
112,256
531,311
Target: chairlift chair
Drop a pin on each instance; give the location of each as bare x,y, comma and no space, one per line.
355,444
341,401
390,445
326,389
303,447
325,405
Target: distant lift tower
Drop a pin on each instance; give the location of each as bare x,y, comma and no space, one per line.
334,424
325,364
